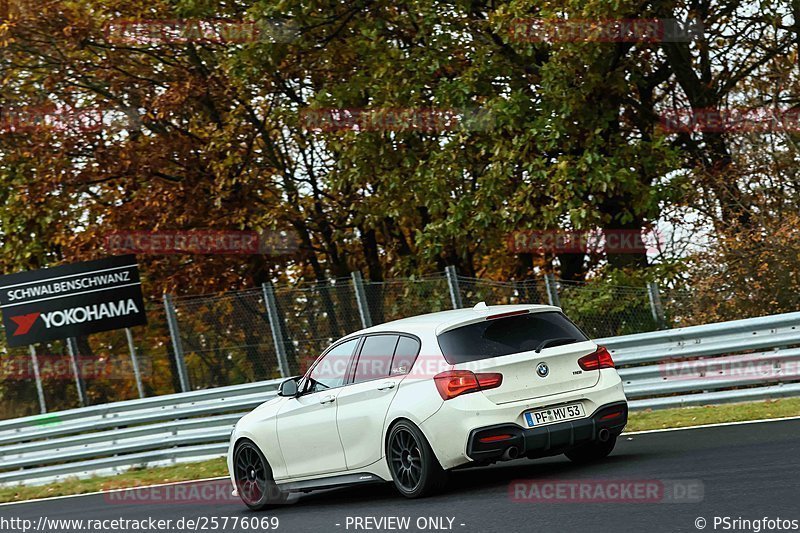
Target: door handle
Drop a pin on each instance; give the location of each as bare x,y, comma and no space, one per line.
328,399
387,385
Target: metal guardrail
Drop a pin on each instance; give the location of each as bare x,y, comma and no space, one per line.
734,361
104,439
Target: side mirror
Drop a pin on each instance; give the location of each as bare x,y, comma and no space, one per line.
288,388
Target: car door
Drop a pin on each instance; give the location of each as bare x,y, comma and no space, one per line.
307,431
382,362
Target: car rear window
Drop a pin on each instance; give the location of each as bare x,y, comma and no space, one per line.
504,336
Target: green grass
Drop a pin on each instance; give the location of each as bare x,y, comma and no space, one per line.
638,421
712,414
131,478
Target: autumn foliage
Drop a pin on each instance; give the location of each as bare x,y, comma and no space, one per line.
110,125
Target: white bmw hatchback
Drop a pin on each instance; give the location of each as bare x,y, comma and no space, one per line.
409,400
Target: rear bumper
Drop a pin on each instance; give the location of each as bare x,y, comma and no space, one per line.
449,429
546,440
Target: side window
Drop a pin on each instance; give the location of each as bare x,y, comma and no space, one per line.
331,371
376,358
404,355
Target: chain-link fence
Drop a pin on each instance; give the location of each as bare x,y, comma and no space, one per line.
473,290
236,337
392,300
195,342
43,377
311,318
607,310
681,308
225,339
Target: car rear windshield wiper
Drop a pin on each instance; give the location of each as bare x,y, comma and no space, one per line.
554,342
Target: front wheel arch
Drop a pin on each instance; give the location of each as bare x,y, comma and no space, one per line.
271,493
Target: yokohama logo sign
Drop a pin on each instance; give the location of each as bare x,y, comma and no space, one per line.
79,315
71,300
75,315
24,323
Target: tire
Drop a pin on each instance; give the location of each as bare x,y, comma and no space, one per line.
253,476
592,451
415,470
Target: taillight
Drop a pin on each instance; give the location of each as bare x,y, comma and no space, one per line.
489,380
596,360
454,383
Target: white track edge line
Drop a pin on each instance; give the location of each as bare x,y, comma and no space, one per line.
720,424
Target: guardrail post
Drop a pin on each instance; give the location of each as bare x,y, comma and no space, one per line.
72,349
38,376
275,328
452,283
177,345
361,299
552,290
137,374
655,305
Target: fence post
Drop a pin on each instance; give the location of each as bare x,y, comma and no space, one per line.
275,328
72,350
134,362
452,283
38,376
177,345
552,290
655,305
361,299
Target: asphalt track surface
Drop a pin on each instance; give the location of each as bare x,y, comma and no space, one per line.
748,471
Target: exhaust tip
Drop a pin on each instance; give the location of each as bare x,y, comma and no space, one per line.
604,435
512,452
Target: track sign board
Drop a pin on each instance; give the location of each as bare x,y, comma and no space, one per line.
72,300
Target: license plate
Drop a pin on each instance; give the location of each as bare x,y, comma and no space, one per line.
542,417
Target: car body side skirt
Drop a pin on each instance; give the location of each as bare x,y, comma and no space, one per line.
342,480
